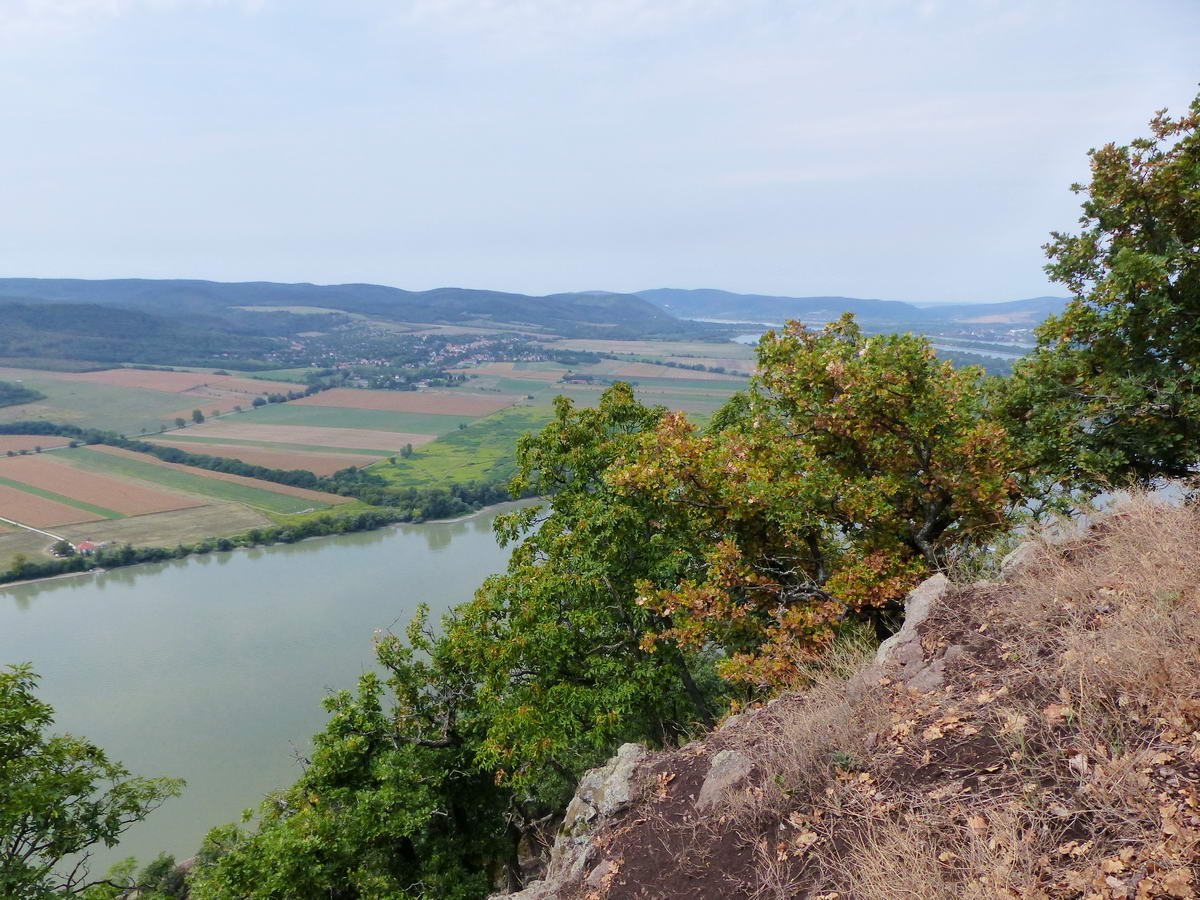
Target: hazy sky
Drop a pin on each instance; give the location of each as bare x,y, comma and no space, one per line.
908,150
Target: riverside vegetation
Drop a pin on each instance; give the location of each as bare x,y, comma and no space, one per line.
673,573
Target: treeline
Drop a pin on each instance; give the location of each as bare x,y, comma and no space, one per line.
114,557
14,394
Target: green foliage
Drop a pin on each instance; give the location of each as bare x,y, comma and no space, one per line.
1112,393
557,641
828,490
390,806
59,796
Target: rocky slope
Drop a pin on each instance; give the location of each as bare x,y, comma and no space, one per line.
1034,737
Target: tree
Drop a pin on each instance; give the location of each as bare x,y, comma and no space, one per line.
390,805
197,416
59,796
826,492
180,422
259,401
63,548
557,643
1112,393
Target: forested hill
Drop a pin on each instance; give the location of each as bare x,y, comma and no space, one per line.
882,314
591,314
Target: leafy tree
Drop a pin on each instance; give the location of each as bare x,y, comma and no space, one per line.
59,796
830,488
558,641
391,804
1112,392
259,401
180,421
197,416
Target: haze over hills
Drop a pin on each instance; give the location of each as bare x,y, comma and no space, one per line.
770,310
194,322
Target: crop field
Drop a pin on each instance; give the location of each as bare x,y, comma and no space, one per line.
482,451
442,402
261,495
640,370
39,511
98,493
125,409
176,382
350,438
296,413
197,445
264,455
19,442
253,484
511,370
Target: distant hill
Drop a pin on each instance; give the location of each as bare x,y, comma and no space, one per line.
595,314
882,314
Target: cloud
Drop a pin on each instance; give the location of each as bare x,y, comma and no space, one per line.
24,19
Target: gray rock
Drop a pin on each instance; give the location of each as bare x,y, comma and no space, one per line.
602,792
727,770
917,605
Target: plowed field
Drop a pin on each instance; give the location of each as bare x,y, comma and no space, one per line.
316,496
29,441
39,512
88,487
352,438
509,370
317,463
445,402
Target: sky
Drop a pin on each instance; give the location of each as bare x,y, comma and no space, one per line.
917,151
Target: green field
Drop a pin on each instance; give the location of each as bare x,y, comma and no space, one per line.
185,481
341,417
485,451
59,498
124,409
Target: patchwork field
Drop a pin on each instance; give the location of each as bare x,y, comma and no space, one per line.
263,495
19,442
295,413
88,489
355,438
263,455
38,511
442,402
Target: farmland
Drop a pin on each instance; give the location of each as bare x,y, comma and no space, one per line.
202,483
438,402
411,438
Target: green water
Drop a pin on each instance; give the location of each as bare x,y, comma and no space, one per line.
212,668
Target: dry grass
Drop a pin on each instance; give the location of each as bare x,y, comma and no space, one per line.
1098,643
1060,757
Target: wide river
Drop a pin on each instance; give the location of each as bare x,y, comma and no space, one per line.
213,668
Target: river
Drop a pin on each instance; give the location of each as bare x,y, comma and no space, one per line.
212,668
